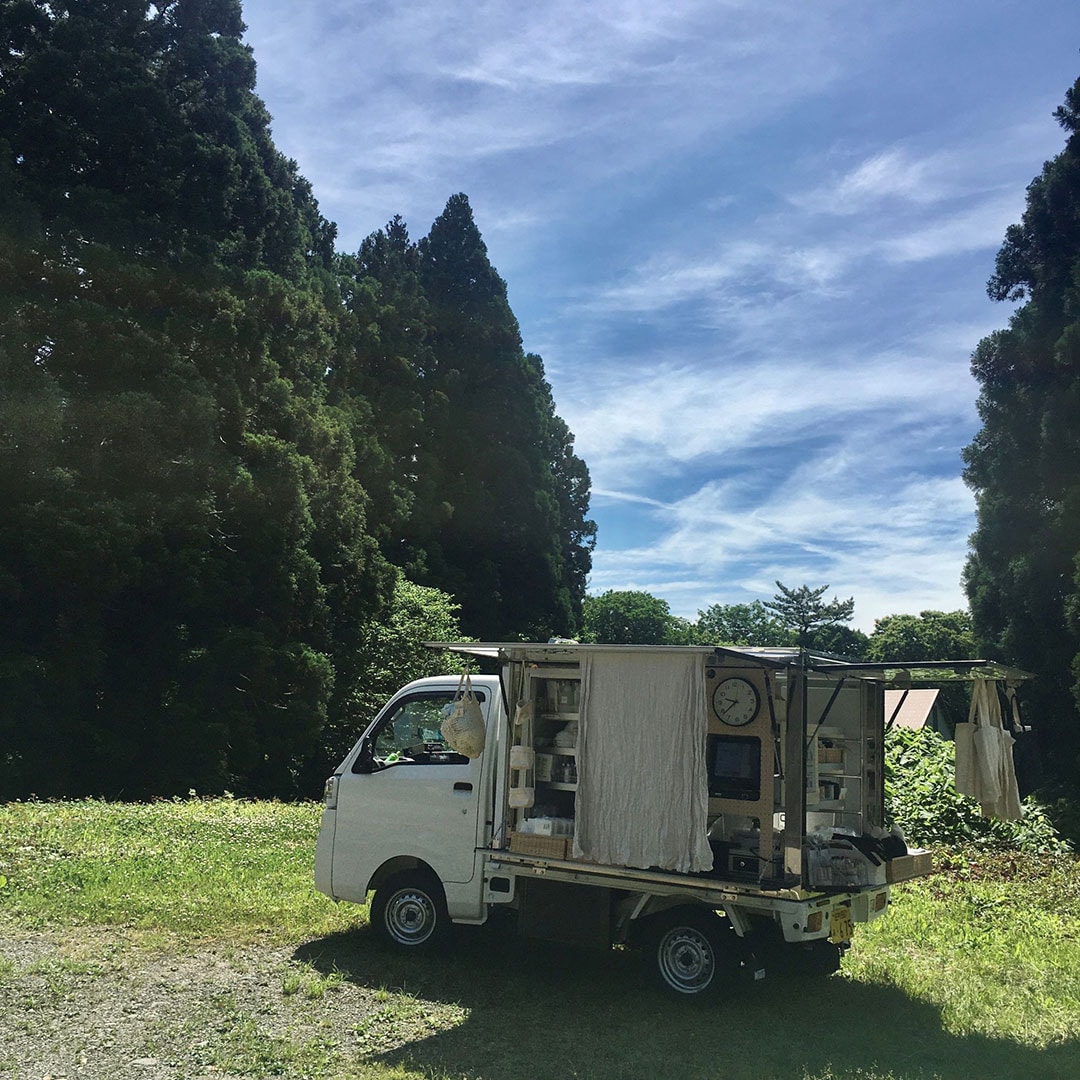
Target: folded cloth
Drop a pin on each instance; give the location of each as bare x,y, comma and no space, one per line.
568,736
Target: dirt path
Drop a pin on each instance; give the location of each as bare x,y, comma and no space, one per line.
100,1008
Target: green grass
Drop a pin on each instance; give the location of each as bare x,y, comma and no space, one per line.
993,940
195,868
975,972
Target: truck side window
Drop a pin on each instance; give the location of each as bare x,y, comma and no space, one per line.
412,733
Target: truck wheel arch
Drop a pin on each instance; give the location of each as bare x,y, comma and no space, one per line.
691,950
400,864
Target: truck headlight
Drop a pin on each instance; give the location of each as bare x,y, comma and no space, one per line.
329,796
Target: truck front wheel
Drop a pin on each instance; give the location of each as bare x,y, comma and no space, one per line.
409,911
691,952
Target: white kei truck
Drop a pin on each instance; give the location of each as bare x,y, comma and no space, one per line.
721,808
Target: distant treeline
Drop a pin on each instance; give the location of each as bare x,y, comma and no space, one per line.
242,474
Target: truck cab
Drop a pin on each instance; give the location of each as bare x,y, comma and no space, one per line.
403,802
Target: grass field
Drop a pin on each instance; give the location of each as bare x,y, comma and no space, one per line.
974,973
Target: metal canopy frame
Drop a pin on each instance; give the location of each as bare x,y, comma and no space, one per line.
820,663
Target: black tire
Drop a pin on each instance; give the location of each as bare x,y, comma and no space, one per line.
409,911
692,952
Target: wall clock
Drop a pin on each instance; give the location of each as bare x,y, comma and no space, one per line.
736,701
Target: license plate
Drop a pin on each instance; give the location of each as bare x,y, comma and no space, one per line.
840,925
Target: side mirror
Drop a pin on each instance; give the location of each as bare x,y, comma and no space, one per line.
365,760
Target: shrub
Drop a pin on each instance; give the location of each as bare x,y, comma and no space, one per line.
921,797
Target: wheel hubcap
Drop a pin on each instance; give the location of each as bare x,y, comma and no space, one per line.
410,917
686,960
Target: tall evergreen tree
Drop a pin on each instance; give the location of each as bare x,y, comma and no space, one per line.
210,424
1023,572
385,379
185,553
502,520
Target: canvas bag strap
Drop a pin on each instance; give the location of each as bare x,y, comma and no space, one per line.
464,683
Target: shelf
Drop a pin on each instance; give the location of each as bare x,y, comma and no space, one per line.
556,786
832,733
565,673
563,717
562,751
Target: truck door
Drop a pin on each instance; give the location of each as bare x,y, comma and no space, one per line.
405,792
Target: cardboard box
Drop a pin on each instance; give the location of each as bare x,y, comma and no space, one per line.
830,755
912,865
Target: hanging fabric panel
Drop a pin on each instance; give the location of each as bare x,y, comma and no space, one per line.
642,797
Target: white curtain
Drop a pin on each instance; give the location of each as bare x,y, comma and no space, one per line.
643,796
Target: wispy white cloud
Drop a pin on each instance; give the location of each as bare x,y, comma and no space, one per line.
891,173
634,427
742,266
418,94
893,548
979,227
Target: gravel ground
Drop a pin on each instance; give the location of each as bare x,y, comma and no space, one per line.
92,1007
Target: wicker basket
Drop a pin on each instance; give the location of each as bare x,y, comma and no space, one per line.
551,847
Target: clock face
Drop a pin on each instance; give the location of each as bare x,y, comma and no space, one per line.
736,702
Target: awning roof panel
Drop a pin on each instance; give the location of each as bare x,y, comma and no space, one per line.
934,671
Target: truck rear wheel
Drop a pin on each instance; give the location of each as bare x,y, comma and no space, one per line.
691,952
409,911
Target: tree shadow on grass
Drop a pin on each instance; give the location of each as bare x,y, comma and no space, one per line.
537,1011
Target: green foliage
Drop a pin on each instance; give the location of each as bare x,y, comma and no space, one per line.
1021,575
803,612
626,617
930,635
841,640
392,647
921,797
741,624
1062,802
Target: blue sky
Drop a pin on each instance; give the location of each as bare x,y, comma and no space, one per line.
750,240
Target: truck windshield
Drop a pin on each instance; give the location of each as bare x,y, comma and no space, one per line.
412,732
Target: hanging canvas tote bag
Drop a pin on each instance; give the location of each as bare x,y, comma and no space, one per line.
967,769
464,729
